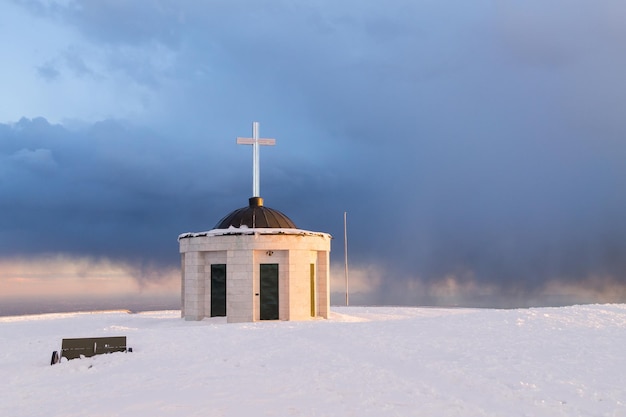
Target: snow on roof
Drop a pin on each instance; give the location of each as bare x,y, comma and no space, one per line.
244,230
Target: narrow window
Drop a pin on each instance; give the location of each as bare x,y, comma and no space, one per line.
312,271
218,290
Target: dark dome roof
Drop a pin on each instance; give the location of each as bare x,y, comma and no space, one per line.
256,216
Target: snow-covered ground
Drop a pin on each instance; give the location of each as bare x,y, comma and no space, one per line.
382,361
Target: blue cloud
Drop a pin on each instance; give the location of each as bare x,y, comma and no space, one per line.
48,72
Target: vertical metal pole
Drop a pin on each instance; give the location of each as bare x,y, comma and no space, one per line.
345,251
255,162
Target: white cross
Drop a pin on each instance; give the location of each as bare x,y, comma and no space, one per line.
255,141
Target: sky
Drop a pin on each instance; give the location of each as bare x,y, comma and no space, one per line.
477,148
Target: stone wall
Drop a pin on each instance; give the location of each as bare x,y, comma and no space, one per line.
243,254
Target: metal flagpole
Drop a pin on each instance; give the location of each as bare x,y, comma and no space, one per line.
345,251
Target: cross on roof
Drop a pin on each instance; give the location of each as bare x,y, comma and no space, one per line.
255,141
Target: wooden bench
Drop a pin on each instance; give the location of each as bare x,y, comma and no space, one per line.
89,346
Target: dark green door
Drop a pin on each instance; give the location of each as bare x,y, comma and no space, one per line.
218,290
269,292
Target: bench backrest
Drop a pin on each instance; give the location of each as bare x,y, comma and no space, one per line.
90,346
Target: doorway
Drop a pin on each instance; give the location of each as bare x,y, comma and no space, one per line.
269,291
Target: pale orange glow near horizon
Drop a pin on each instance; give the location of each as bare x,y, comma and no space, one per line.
61,275
83,277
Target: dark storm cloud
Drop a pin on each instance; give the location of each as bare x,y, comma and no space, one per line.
101,191
484,142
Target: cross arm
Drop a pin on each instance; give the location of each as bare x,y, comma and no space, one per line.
260,141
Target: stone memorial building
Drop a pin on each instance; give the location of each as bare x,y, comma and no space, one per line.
255,264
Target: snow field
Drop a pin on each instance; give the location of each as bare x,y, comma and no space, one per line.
378,361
